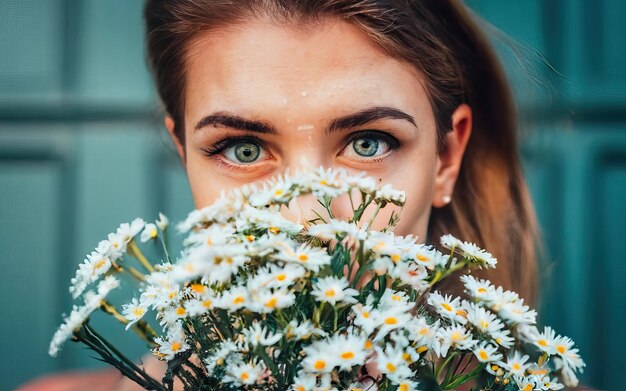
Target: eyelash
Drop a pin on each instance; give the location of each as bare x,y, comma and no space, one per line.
222,145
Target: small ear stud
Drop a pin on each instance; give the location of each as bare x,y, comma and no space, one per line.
446,199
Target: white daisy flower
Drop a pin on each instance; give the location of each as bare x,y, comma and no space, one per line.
550,384
481,290
304,382
390,319
259,335
517,313
196,307
483,320
503,338
334,228
456,337
275,276
448,307
92,268
525,383
266,301
388,194
486,352
241,374
302,331
149,232
412,274
365,317
391,363
174,343
133,311
422,333
448,241
233,299
545,340
516,364
347,350
318,358
427,257
163,222
73,322
334,290
309,257
470,250
127,231
563,346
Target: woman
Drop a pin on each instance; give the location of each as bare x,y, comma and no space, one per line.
408,91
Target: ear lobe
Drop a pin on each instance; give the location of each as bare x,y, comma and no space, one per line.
171,126
450,158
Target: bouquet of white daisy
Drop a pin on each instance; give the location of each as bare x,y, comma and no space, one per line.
256,301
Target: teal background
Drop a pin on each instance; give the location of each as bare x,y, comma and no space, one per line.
82,148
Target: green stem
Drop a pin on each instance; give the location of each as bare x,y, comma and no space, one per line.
136,252
446,361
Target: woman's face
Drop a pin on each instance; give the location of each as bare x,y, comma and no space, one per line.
261,99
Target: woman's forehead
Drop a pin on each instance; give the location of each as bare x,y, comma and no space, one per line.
280,67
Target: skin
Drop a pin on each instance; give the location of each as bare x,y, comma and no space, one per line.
298,82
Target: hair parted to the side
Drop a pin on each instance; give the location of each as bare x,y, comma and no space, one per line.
491,205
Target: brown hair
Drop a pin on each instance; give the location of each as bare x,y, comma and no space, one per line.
442,41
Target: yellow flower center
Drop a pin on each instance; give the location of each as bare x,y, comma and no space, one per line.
347,355
138,312
395,257
542,342
482,290
303,257
250,238
319,365
281,277
403,387
176,346
153,233
390,367
273,230
446,306
207,303
244,376
456,336
198,288
516,366
330,293
421,257
391,320
271,303
483,355
422,348
365,314
368,344
560,349
180,311
239,300
99,264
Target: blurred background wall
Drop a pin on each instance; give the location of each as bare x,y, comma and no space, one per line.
82,148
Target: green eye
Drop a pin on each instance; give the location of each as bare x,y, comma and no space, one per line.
246,152
365,146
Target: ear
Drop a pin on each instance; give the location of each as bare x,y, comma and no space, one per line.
170,125
449,159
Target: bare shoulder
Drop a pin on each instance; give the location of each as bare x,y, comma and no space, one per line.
75,381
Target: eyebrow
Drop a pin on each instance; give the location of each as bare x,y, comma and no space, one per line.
366,116
362,117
